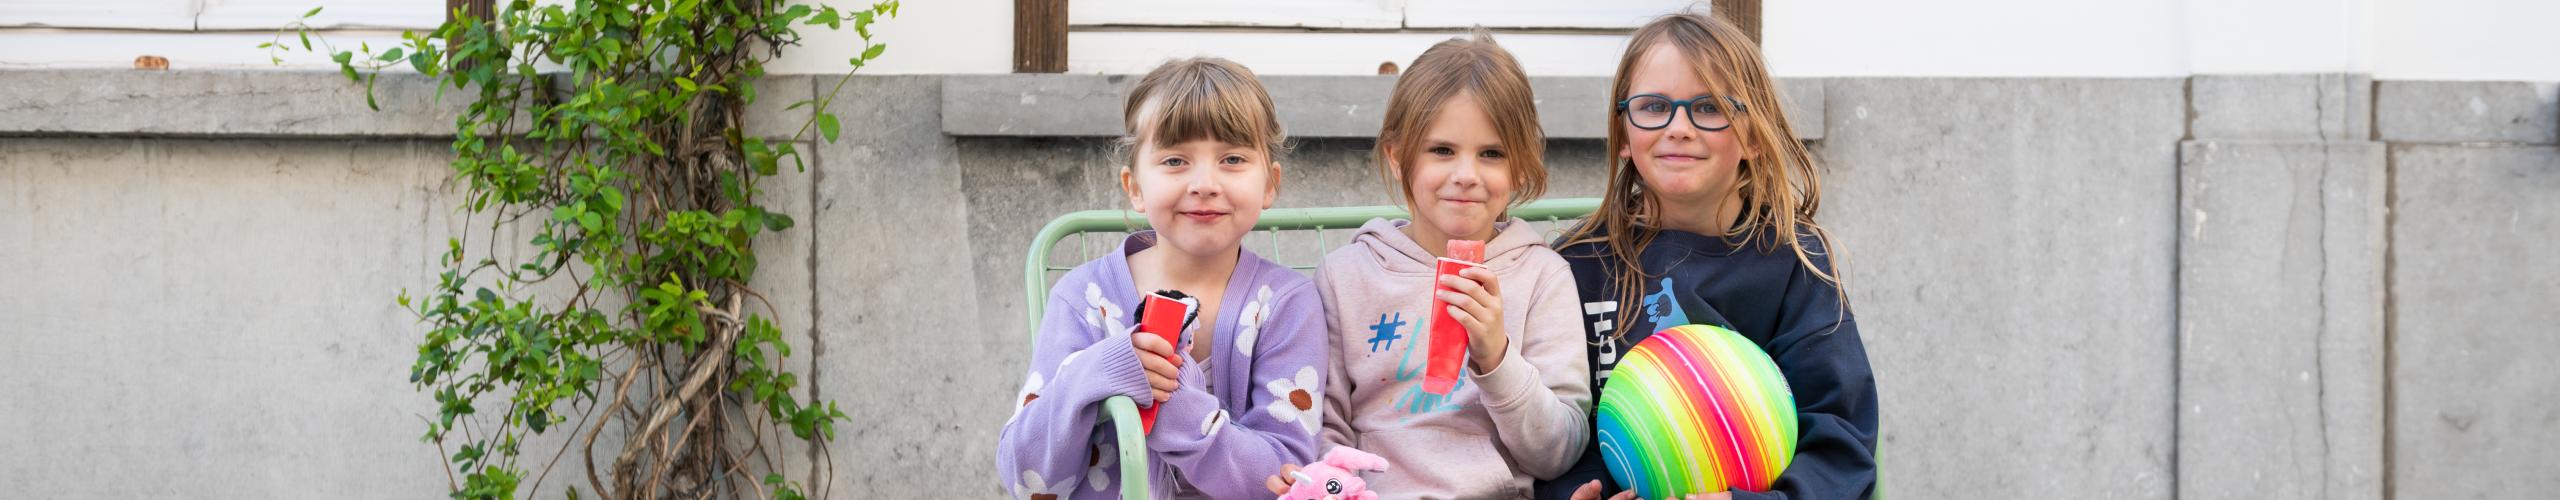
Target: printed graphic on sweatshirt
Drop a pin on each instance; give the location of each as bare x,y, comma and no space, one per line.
1411,400
1603,316
1661,310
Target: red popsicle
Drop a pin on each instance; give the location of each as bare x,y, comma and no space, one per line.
1165,314
1448,338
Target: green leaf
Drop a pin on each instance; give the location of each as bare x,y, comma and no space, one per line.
688,84
392,54
874,51
827,126
314,12
776,221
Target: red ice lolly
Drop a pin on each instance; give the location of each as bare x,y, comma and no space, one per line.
1165,316
1448,338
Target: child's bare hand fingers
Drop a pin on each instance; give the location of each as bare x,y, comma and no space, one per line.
1461,283
1475,291
1279,484
1463,301
1151,344
1162,396
1625,495
1158,365
1483,278
1466,319
1588,491
1479,311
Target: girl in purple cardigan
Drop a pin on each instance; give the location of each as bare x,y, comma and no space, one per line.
1243,392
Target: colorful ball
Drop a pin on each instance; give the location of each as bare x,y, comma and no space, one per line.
1696,409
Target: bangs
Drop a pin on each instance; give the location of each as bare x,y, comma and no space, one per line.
1210,104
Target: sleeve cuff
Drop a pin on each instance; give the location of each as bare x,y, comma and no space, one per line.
1114,367
1191,417
1503,387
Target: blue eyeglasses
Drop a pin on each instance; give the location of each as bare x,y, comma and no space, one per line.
1653,111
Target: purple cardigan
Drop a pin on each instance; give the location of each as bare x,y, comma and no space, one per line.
1268,364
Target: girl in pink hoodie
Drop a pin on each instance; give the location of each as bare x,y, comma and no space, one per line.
1461,144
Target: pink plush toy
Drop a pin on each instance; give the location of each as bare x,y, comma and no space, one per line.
1336,477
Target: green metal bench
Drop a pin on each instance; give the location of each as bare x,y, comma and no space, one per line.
1123,412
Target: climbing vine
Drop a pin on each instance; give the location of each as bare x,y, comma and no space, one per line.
599,296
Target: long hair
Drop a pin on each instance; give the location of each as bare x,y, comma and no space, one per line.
1781,189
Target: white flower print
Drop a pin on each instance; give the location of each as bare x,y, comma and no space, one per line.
1249,321
1100,312
1097,473
1294,400
1022,400
1035,488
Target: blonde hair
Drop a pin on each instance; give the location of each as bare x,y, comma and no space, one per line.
1781,189
1477,67
1201,98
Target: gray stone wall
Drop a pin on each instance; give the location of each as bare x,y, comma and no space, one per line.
2266,286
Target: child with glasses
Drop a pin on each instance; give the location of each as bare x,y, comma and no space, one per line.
1708,218
1239,393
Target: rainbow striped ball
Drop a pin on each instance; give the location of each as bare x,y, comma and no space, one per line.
1696,409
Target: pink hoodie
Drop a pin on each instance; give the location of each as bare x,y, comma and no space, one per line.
1496,432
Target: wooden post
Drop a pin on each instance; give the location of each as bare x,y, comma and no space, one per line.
483,10
1039,36
1743,14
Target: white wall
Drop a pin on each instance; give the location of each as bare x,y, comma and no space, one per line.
2279,36
2467,40
2110,38
2391,39
929,36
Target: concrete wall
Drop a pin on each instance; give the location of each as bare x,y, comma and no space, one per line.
2286,286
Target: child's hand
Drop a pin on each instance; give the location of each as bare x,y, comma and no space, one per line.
1591,491
1279,484
1475,300
1164,369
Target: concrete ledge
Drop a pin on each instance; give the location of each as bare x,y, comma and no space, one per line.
1310,106
2322,107
237,103
2517,112
260,103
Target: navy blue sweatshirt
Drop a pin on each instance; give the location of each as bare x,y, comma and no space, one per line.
1768,296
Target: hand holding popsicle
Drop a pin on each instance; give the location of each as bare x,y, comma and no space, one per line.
1163,367
1474,296
1163,317
1449,337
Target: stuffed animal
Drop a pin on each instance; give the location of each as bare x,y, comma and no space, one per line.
1337,477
